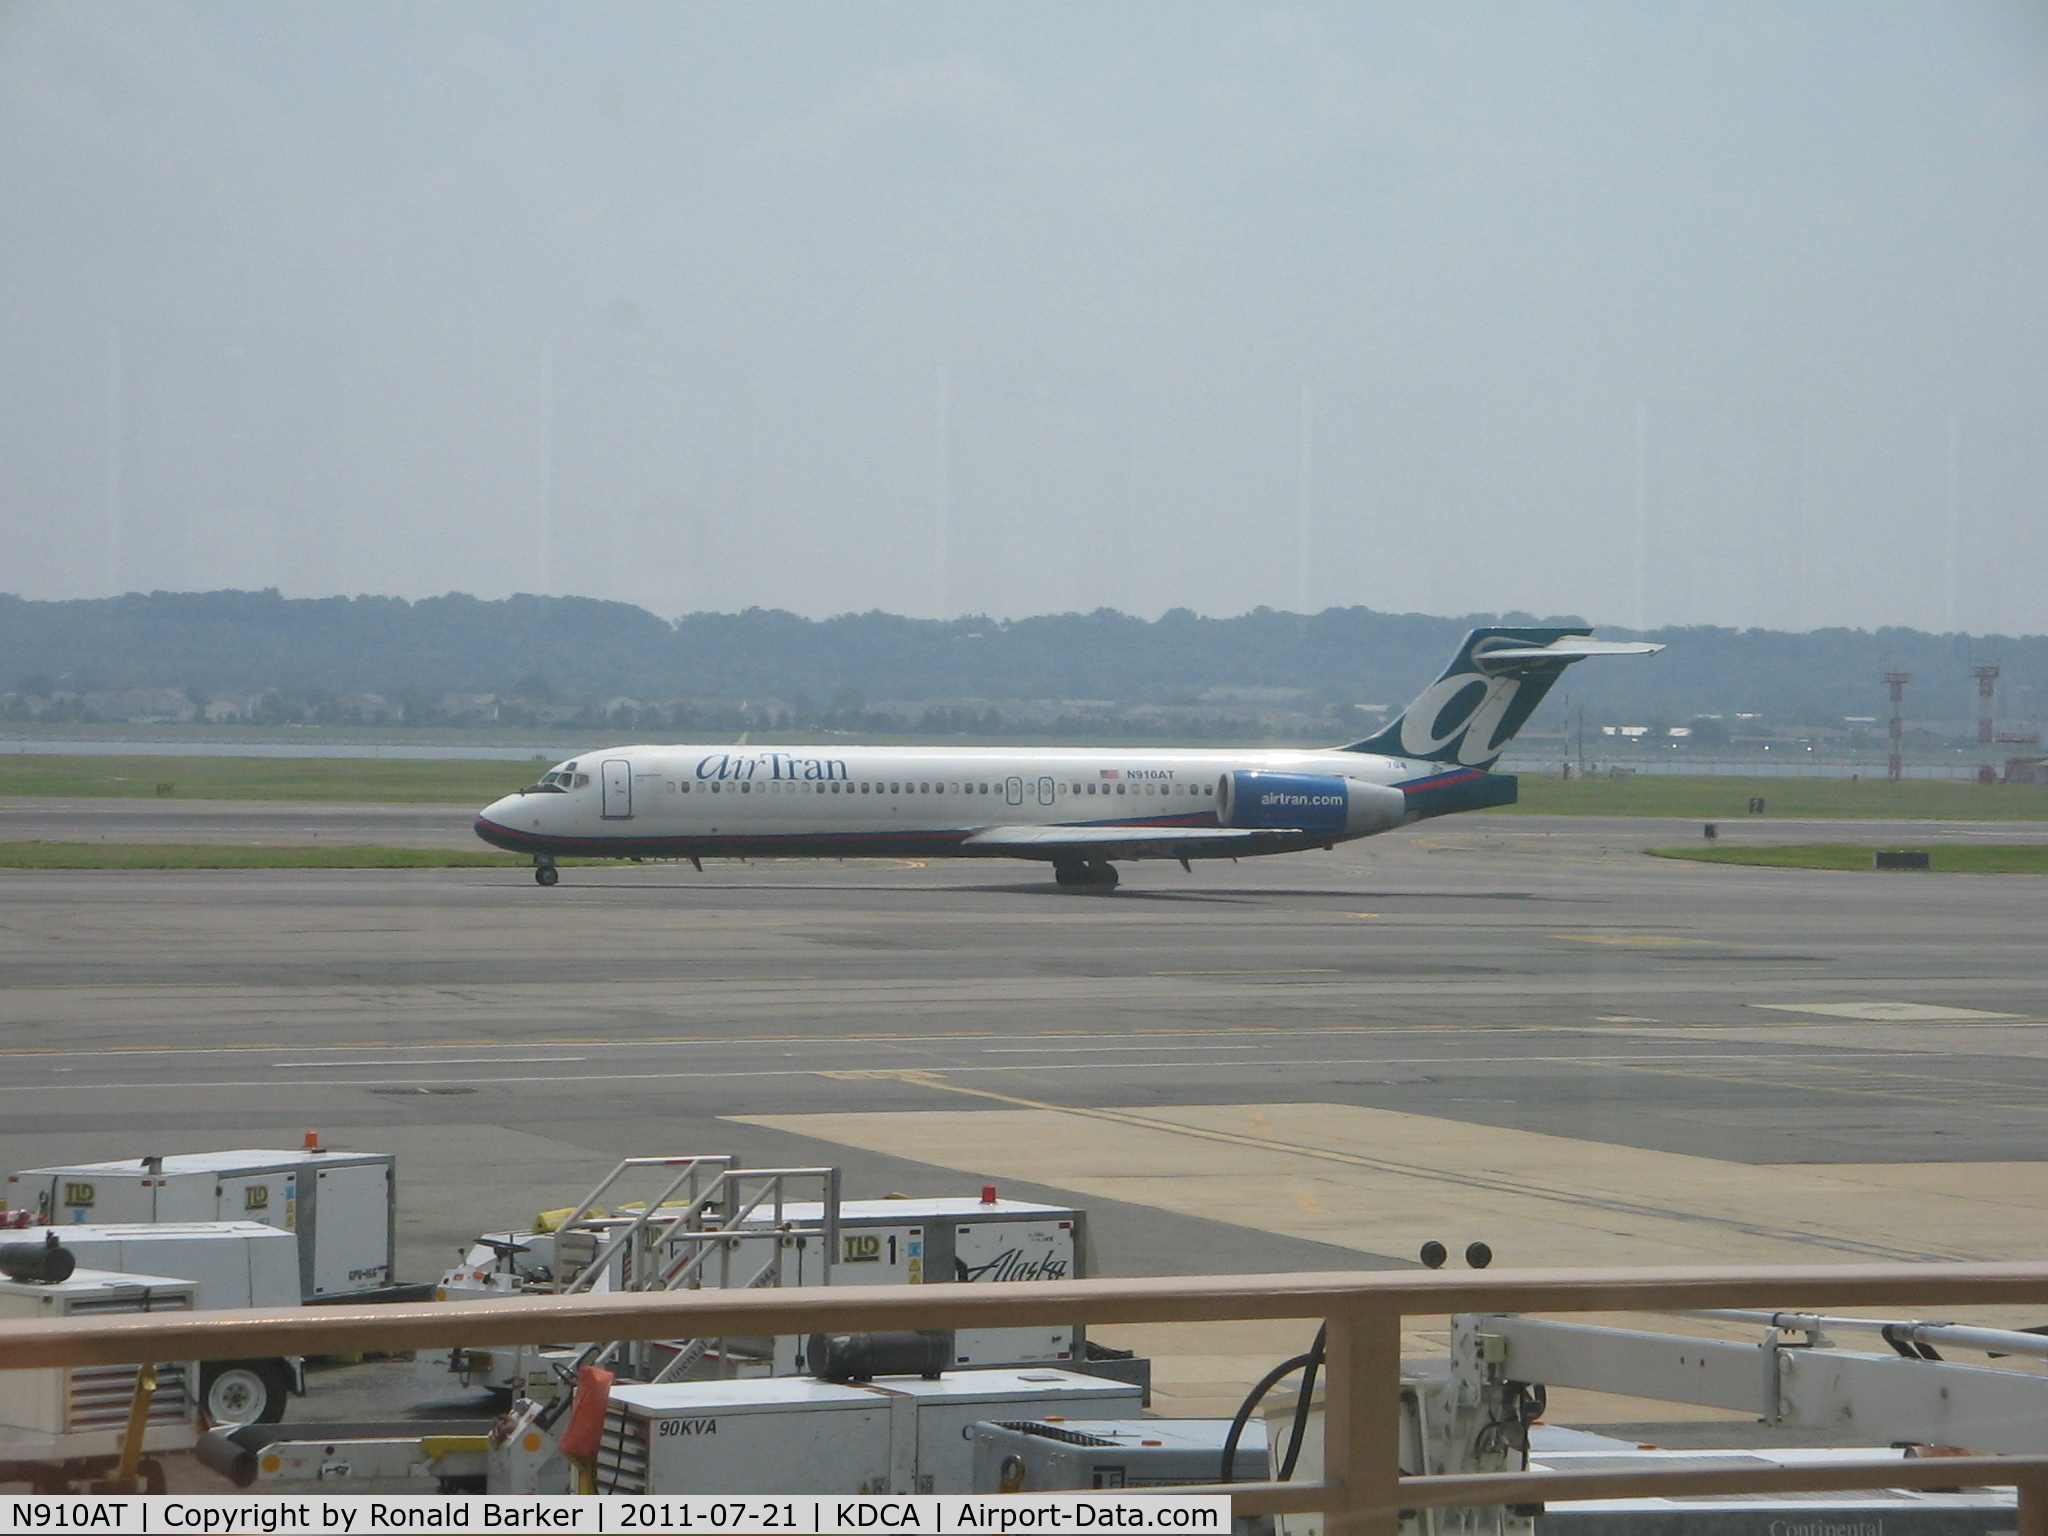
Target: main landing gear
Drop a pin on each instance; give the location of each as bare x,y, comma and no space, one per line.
1095,875
544,871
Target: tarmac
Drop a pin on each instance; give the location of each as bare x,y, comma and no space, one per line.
1512,1029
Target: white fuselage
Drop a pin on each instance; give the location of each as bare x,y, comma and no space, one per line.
685,801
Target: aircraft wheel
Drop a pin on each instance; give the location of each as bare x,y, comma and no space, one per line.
1101,877
1070,874
546,874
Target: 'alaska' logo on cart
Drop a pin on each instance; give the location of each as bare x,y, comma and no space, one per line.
1011,1264
688,1426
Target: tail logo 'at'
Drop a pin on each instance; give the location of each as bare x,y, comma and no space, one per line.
1493,684
1465,705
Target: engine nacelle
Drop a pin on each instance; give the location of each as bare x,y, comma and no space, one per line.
1311,802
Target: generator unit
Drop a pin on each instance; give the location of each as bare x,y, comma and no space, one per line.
233,1264
76,1412
339,1204
1032,1456
895,1434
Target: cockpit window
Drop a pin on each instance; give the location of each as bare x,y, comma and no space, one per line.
556,781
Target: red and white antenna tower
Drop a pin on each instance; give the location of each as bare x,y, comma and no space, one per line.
1896,681
1987,731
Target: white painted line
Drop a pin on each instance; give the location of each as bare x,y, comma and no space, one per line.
1163,1039
453,1061
1884,1012
1068,1050
910,1074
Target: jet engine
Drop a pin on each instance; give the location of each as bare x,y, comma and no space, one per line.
1312,802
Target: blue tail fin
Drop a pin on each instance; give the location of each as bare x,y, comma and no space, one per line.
1488,692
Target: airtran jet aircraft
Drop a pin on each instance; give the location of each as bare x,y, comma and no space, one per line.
1075,808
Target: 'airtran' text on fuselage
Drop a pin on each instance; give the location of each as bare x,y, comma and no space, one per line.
770,765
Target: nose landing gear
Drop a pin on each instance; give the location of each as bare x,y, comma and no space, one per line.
544,871
1095,875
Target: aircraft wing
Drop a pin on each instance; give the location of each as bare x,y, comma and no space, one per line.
1130,842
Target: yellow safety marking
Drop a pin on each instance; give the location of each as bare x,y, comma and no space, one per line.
1805,1075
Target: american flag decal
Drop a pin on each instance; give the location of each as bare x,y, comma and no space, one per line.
1109,773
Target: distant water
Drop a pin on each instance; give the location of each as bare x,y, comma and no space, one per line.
283,749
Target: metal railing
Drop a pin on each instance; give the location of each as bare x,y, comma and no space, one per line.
1362,1490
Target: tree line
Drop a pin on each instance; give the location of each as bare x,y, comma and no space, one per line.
532,651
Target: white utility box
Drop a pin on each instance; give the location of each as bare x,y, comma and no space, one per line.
790,1435
339,1204
80,1411
950,1407
959,1240
896,1434
1142,1453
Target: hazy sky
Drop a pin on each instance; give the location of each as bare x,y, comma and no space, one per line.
1720,313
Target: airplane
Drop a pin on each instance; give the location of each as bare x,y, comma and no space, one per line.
1079,809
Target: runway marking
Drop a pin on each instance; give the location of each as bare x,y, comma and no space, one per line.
1282,970
1808,1069
455,1061
1887,1013
248,986
1630,939
1146,1174
1067,1050
1262,1030
858,1073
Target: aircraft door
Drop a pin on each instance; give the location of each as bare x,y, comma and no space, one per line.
1013,791
618,789
1045,791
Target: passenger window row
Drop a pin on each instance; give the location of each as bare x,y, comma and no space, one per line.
927,787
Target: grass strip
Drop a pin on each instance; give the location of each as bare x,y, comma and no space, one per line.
31,855
1705,797
1943,858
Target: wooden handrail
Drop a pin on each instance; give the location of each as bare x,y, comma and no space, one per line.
1363,1490
132,1337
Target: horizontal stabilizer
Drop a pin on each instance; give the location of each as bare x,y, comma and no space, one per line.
1575,649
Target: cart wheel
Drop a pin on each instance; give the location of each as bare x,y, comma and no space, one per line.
243,1391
